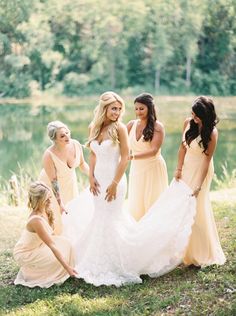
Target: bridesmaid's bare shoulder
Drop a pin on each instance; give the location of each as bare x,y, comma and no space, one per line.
76,142
129,125
34,222
122,131
186,122
47,155
121,127
159,127
214,133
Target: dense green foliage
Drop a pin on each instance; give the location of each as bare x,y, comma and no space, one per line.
76,47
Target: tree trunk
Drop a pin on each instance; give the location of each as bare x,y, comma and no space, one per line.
157,79
113,75
42,79
188,72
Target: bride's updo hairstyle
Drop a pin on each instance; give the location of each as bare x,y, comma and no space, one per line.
100,111
203,107
53,127
38,196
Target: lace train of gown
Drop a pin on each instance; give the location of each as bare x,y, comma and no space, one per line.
111,247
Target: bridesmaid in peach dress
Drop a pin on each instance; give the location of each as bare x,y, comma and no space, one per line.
148,173
59,162
44,259
195,168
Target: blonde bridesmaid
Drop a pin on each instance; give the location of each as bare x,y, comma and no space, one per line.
44,259
148,174
59,163
195,168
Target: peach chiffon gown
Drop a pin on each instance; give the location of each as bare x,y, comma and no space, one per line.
38,265
67,181
147,178
204,246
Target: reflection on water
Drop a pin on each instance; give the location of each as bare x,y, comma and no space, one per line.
23,136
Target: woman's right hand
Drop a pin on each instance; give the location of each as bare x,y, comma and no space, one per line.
94,186
63,209
178,174
72,272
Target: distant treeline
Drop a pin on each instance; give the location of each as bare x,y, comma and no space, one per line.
78,47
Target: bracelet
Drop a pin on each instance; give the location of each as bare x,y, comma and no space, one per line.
114,181
179,169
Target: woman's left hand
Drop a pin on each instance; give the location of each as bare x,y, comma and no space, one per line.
196,191
111,192
178,174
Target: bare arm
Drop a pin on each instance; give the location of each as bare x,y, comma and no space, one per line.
181,156
50,170
203,169
36,225
156,142
84,167
124,152
94,185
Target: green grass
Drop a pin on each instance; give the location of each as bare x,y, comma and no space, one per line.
185,291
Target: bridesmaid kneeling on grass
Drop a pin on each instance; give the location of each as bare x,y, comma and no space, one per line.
44,259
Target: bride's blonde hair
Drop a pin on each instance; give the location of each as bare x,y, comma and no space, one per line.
100,111
37,197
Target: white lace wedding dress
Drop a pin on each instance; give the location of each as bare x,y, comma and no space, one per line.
111,247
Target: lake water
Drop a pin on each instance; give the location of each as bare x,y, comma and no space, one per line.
23,136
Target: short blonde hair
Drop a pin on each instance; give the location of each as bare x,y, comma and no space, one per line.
37,197
100,111
53,127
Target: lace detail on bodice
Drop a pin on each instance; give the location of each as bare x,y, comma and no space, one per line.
106,151
107,159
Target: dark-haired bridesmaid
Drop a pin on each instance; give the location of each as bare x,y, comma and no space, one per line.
195,168
148,173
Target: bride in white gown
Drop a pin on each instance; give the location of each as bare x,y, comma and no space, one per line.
111,247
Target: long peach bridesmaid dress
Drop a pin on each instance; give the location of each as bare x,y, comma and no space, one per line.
147,178
67,181
204,246
38,265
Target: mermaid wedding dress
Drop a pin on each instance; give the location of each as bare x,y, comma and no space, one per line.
111,247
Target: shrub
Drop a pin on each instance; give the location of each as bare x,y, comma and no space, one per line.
74,83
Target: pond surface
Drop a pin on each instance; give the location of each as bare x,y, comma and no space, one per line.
23,136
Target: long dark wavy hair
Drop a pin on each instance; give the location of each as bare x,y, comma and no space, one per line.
147,99
203,107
